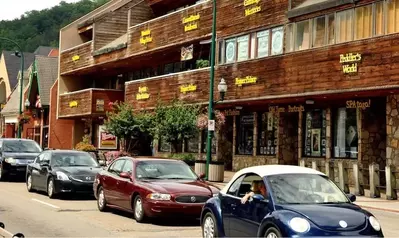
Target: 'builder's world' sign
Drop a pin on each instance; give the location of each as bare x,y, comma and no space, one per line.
349,62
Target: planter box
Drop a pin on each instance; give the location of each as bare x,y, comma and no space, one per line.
216,172
200,167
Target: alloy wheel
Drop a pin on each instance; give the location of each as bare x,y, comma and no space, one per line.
272,235
101,199
50,188
138,208
209,228
29,183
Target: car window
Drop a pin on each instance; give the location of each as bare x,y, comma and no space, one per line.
117,166
243,185
26,146
128,167
1,144
235,186
38,158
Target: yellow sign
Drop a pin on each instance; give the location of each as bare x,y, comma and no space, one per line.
75,57
188,88
145,37
277,109
191,22
350,58
252,11
143,93
73,104
358,104
250,2
246,80
253,7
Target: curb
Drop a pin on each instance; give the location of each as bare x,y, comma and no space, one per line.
380,209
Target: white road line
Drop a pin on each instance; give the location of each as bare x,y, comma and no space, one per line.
5,233
45,203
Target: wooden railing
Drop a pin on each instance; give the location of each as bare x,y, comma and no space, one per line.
76,58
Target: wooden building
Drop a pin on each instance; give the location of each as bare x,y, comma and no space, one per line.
310,82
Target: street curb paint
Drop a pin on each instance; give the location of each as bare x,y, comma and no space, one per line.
45,203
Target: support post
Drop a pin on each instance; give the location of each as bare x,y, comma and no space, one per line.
314,165
374,181
357,175
391,183
343,177
330,170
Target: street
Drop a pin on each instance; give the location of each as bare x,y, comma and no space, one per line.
35,215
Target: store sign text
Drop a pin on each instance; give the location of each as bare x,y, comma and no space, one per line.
247,80
358,104
188,88
349,62
75,57
73,104
143,93
191,22
289,108
253,7
145,37
230,112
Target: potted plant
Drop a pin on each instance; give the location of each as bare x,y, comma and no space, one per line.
24,119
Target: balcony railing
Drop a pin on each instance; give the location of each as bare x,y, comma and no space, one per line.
190,86
88,102
76,57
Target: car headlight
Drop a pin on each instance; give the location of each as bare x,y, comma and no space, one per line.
374,223
61,176
10,160
159,196
299,225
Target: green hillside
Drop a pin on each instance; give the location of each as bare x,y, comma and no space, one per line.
37,28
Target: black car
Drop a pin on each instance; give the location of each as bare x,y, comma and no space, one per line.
15,155
62,171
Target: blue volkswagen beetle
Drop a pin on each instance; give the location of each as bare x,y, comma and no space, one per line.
296,202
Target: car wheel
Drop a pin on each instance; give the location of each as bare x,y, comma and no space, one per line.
29,185
3,176
50,188
139,213
101,202
209,228
272,233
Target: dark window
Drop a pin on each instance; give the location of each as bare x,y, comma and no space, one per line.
345,133
245,133
235,186
205,141
191,145
315,133
268,123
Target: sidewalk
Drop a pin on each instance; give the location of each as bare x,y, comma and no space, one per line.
365,202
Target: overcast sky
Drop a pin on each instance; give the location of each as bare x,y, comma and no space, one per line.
11,9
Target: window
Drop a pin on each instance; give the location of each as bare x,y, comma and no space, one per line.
364,22
315,133
344,26
235,186
65,159
393,16
128,167
331,29
230,50
245,133
379,18
345,133
116,167
243,48
164,170
319,31
289,47
277,40
191,145
21,146
267,136
302,36
262,43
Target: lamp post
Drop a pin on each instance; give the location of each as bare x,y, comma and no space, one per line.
21,80
27,103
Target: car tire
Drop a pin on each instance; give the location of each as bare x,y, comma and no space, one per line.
101,202
209,227
29,185
272,232
138,210
50,188
3,176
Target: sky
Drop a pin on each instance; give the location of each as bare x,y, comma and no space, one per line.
11,9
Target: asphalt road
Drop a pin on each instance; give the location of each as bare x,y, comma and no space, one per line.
36,215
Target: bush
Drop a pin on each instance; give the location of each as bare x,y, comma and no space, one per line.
85,145
187,158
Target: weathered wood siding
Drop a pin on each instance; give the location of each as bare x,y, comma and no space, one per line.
67,64
140,13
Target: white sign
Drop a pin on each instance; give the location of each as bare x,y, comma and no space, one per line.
211,125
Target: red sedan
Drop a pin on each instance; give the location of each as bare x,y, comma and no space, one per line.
151,187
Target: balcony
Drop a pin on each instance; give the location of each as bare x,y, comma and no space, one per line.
76,58
190,86
88,102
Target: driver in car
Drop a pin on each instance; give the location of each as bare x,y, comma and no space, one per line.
258,187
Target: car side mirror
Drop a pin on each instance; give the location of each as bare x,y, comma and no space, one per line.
125,175
202,176
351,197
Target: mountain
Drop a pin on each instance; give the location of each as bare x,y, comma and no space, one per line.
36,28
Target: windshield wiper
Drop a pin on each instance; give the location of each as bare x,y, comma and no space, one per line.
151,178
177,178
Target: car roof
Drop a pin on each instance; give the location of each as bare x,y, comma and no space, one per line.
144,158
267,170
15,139
66,151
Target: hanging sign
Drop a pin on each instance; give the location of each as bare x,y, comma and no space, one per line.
143,93
106,140
247,80
191,22
253,7
211,125
349,62
145,37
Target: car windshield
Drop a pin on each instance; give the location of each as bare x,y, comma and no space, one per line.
305,189
164,170
23,146
73,159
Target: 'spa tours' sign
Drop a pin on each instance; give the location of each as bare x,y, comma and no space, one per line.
349,62
191,22
142,94
358,104
106,140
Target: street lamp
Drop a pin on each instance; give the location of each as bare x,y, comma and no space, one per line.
21,80
27,103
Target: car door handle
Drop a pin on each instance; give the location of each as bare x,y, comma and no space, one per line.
234,206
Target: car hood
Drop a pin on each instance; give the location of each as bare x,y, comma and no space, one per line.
178,187
331,216
20,155
78,171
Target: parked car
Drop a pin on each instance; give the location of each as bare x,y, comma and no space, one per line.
151,187
62,171
15,155
298,202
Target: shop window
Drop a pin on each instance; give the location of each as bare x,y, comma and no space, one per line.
262,43
379,18
319,31
245,134
364,22
345,26
164,146
315,133
277,40
289,42
243,48
302,36
191,145
345,133
331,29
267,136
230,48
393,16
205,141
